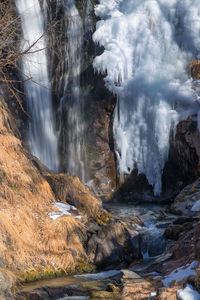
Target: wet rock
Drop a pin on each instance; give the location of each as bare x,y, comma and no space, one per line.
113,288
35,295
182,167
127,274
196,241
183,220
114,244
135,187
103,295
173,232
186,199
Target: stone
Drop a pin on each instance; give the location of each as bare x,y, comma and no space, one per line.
127,274
183,220
113,288
185,200
115,243
136,290
194,68
173,232
103,295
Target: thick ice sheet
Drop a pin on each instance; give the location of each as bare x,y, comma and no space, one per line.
148,46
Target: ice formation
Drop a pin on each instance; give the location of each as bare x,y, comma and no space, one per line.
148,45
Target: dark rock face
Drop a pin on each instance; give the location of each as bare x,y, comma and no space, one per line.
134,188
173,232
185,202
182,167
97,103
114,244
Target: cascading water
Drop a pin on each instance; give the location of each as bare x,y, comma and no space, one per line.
72,102
148,46
42,136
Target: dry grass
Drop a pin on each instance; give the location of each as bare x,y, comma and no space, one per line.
28,237
70,189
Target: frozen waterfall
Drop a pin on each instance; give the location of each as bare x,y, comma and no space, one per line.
148,45
42,137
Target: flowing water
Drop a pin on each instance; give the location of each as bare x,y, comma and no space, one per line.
41,137
148,46
153,219
72,101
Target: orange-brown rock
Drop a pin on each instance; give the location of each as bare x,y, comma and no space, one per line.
135,287
166,294
194,68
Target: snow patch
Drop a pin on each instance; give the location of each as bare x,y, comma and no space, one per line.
63,210
64,207
153,294
180,273
188,293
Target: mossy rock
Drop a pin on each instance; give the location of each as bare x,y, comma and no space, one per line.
113,288
103,295
40,273
83,267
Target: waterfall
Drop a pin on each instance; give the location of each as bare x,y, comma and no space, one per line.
148,45
72,100
42,137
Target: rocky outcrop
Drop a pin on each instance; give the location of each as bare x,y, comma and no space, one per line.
187,202
116,243
182,167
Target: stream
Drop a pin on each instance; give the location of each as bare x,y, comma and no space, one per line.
153,221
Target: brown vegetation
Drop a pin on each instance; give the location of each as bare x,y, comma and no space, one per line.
29,238
69,189
194,68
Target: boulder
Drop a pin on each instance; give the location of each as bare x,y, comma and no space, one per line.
173,232
187,202
114,244
69,189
